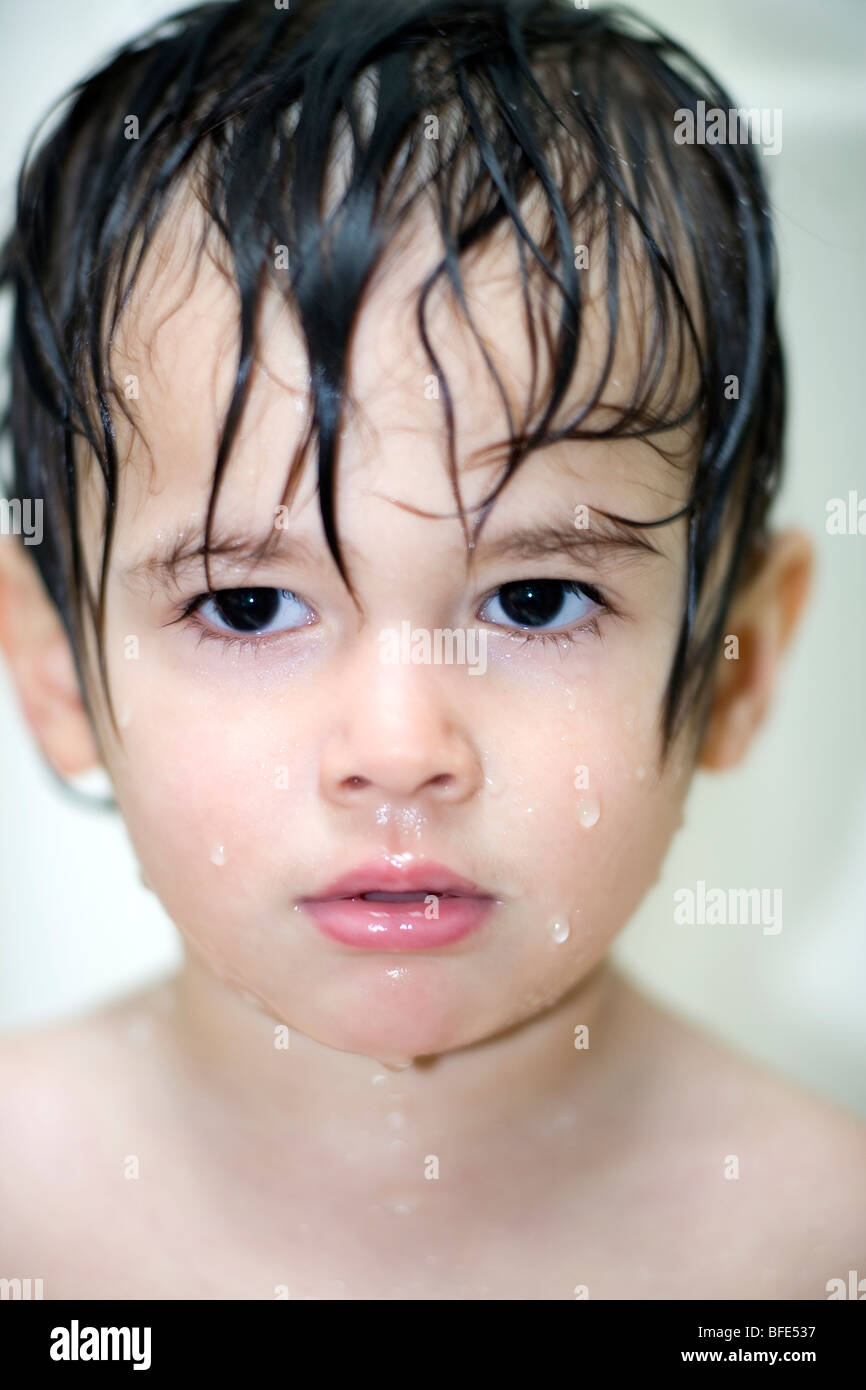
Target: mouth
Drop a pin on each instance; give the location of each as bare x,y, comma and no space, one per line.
419,897
389,879
389,906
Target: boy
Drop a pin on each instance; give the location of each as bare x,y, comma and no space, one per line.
459,252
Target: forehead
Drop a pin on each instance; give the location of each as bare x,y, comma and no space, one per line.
175,359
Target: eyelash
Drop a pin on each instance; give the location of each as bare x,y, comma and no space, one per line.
591,625
567,635
188,618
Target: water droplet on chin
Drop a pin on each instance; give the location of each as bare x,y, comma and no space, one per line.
218,855
588,810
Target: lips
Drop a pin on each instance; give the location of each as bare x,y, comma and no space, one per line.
389,906
384,876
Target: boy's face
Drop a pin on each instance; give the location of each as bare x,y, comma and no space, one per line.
252,776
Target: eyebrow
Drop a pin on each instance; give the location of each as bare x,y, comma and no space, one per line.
170,563
605,536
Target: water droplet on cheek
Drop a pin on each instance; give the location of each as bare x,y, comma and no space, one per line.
588,810
560,931
218,855
495,785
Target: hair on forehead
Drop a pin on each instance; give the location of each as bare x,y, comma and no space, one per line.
312,137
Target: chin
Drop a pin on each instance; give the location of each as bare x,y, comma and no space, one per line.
397,1017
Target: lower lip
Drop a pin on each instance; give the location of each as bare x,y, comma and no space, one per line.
393,926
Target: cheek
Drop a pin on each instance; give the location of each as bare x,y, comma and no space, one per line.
590,814
213,800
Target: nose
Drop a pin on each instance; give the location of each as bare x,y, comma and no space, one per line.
401,732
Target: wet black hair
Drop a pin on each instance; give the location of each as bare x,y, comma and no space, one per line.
251,100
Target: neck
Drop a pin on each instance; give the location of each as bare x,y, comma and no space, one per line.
531,1074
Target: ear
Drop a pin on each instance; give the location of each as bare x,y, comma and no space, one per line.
763,617
41,664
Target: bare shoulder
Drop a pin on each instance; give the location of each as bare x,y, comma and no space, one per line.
49,1072
39,1069
789,1184
45,1074
66,1093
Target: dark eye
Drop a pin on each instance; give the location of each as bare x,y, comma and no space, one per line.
255,610
537,603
